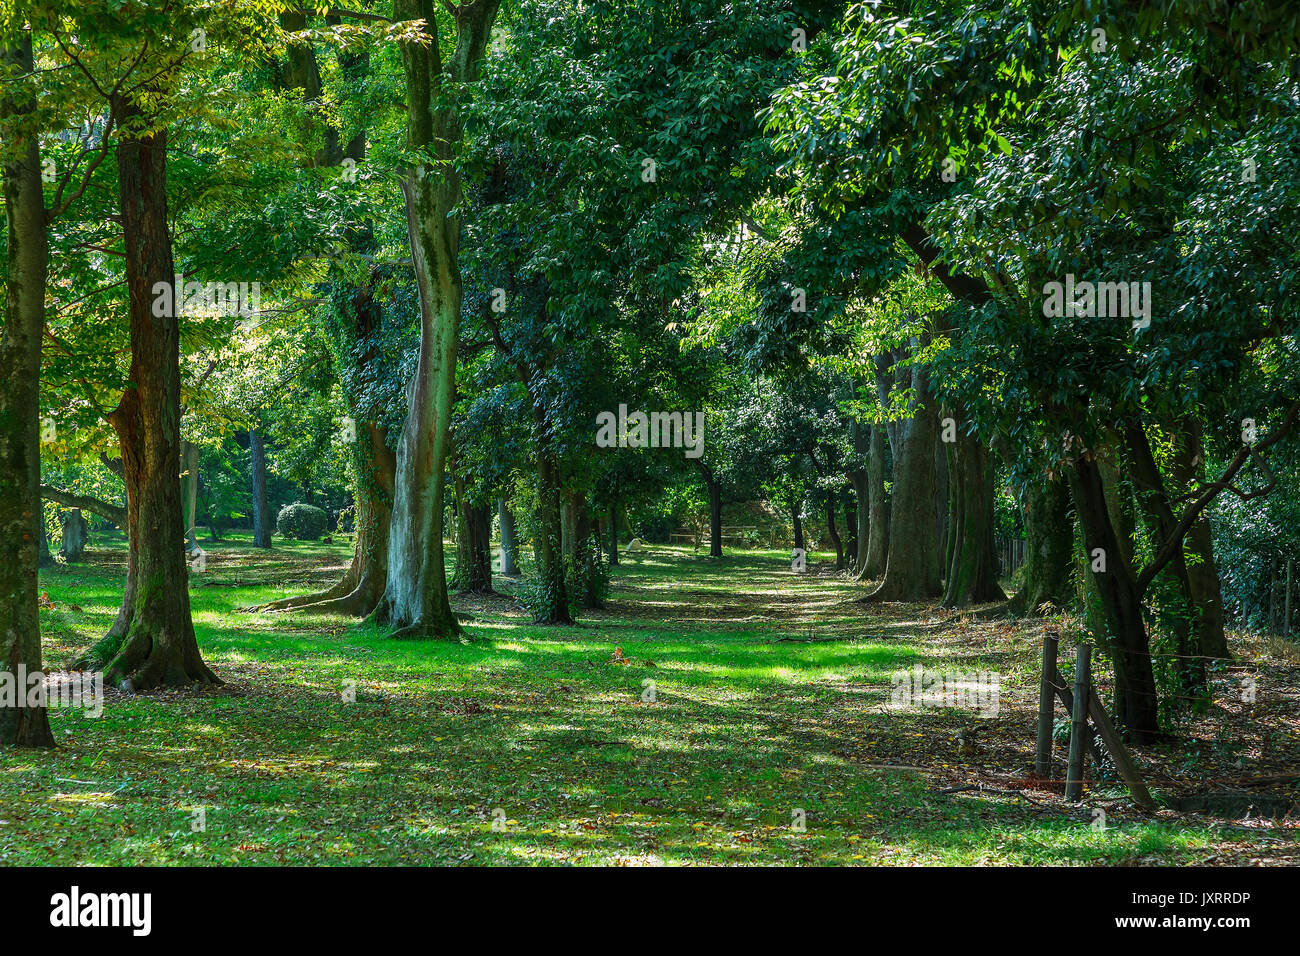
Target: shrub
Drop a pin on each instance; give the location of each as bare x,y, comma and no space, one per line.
304,522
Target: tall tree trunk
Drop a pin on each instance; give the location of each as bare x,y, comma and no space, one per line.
973,571
1202,569
1121,600
158,646
1049,546
850,528
613,532
547,543
415,600
190,465
509,546
832,531
1155,502
877,537
912,571
796,516
20,426
257,471
714,487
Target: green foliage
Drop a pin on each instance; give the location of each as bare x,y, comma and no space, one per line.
301,522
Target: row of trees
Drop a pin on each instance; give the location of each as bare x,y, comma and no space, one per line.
831,228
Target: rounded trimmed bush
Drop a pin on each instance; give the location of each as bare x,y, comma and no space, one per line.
304,522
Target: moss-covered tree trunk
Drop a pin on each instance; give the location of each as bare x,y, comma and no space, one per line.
20,372
1136,702
153,642
362,586
973,565
548,557
415,600
1049,542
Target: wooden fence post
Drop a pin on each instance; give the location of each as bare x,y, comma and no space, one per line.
1079,724
1046,700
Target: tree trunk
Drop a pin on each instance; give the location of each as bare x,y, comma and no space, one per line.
850,528
613,533
1049,543
415,600
1135,686
1188,664
474,549
509,547
257,470
912,571
553,608
155,644
877,524
714,487
797,518
362,586
46,559
190,465
1202,569
20,426
75,531
832,531
973,569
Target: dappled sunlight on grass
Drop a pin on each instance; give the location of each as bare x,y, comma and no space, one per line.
766,712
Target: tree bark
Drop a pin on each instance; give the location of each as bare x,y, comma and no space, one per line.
1121,600
973,569
877,536
714,488
797,519
415,600
1202,569
613,532
75,531
362,586
1049,543
509,546
20,427
190,465
850,528
154,644
257,470
547,544
832,531
912,570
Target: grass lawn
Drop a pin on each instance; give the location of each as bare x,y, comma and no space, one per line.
528,745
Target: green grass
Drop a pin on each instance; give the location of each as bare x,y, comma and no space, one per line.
535,728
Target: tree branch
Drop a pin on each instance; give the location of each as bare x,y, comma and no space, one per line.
1174,544
114,513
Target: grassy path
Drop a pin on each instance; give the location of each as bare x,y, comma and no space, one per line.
753,700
